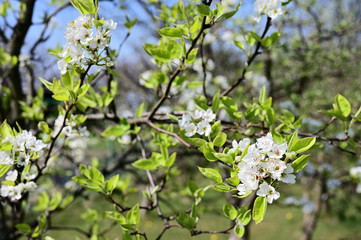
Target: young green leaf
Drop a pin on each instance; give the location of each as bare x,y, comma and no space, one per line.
229,211
300,163
170,32
211,174
303,144
259,209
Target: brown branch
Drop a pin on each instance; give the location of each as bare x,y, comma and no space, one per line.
249,61
204,26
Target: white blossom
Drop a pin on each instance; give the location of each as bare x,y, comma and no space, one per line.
204,128
266,190
11,176
191,129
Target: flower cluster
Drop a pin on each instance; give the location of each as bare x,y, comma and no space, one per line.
199,122
85,46
24,147
14,192
270,7
263,165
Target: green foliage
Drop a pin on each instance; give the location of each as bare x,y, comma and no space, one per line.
259,209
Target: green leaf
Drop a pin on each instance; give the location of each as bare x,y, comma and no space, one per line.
191,56
343,105
226,158
61,94
133,215
229,211
228,14
23,227
185,221
211,174
215,102
173,117
145,164
130,23
111,184
208,153
259,209
139,111
300,163
215,129
234,181
116,131
220,139
262,95
161,54
67,80
115,216
303,144
95,175
3,169
334,113
239,44
114,73
204,10
175,49
221,187
170,160
43,126
47,84
55,201
5,130
291,140
170,32
246,217
84,6
239,231
193,141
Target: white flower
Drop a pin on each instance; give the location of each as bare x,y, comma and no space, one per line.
23,159
184,122
278,150
204,128
265,144
197,114
191,129
208,115
276,168
268,191
30,186
5,158
287,176
243,189
11,176
110,24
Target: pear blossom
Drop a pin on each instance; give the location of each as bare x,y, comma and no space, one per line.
191,129
186,118
208,115
266,190
288,177
11,176
5,158
204,128
85,43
